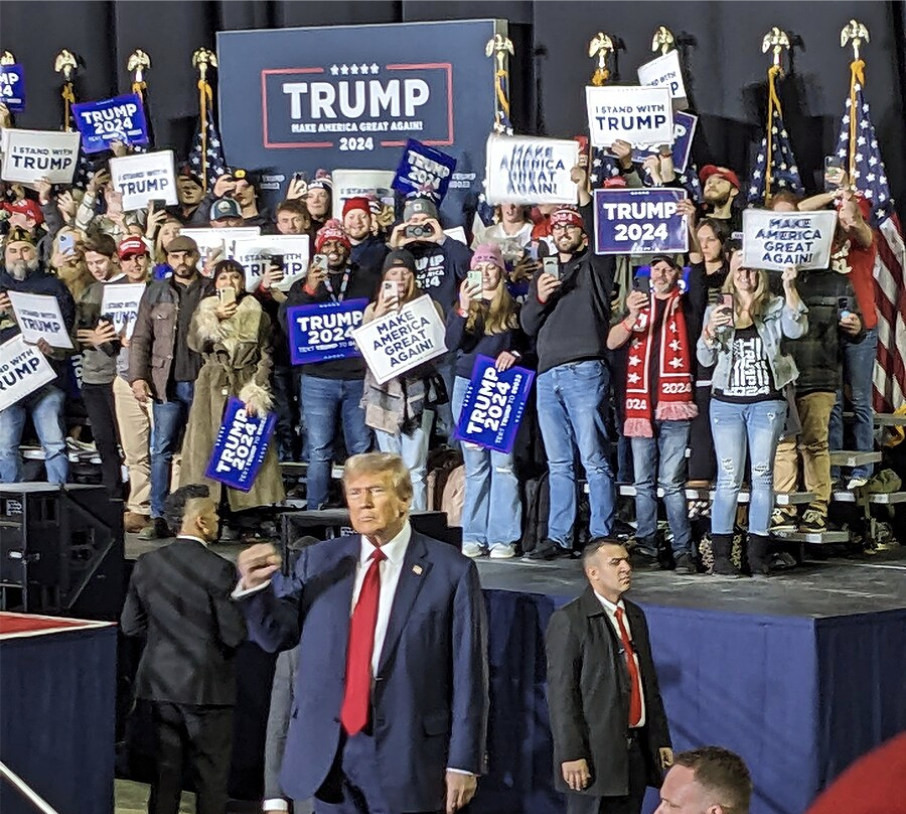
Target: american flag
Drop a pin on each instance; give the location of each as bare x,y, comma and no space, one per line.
783,170
868,175
604,166
216,163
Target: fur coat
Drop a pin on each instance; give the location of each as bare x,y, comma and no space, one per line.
237,362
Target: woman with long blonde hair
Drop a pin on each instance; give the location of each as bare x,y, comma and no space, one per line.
748,408
485,322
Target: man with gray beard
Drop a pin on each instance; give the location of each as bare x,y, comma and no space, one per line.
22,272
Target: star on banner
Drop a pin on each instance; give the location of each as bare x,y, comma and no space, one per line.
344,70
675,363
633,378
635,360
375,67
334,70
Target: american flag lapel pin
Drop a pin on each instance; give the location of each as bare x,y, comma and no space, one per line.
417,570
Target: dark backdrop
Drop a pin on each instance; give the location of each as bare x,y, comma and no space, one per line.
721,49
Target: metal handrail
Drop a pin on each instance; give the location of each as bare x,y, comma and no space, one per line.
38,802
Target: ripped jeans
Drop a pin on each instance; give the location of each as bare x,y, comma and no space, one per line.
733,426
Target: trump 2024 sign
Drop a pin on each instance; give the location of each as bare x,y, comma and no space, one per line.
350,97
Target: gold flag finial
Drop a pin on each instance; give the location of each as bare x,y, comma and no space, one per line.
663,40
138,63
777,40
857,33
65,64
6,58
498,47
203,58
599,48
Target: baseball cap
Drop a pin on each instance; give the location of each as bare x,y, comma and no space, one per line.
357,203
332,230
665,258
399,258
566,216
188,171
27,207
19,235
419,206
712,169
224,208
131,246
181,243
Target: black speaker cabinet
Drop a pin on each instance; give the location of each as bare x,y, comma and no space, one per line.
61,550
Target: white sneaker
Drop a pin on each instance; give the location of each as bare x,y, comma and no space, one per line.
472,550
502,552
856,483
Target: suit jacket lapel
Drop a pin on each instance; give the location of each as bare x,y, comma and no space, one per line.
415,571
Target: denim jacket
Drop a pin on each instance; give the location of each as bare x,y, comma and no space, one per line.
777,321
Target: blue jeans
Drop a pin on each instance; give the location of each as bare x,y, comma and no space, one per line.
733,426
858,370
170,419
571,403
46,408
661,462
323,400
492,508
413,449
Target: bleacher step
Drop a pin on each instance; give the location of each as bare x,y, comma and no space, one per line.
850,458
814,537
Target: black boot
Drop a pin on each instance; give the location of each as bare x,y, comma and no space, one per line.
721,545
759,556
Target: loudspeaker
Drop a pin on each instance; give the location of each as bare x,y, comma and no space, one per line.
61,550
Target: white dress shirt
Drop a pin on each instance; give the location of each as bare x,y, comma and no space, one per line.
611,610
390,569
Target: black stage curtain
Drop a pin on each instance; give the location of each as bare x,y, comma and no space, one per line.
720,46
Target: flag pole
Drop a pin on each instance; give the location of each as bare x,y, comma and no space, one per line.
201,59
138,63
776,40
855,33
66,64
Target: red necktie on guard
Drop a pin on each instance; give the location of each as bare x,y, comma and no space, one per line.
635,691
357,696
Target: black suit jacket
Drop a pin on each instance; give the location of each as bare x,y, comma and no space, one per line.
588,694
179,599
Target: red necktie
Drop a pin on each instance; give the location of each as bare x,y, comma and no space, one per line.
356,699
635,691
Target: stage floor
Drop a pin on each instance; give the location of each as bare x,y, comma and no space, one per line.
840,586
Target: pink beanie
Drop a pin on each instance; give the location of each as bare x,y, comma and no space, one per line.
488,253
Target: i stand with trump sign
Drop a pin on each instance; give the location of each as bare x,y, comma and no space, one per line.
23,369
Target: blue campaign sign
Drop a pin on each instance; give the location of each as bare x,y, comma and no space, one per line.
424,171
640,221
350,97
323,330
240,447
12,87
118,119
683,132
493,406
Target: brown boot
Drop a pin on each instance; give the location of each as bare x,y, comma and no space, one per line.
134,522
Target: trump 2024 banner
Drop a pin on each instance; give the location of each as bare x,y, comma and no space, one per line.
323,330
240,447
640,221
119,119
300,99
12,87
493,406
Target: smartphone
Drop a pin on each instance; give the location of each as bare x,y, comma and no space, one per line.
278,261
159,204
227,295
300,176
833,170
475,282
642,283
844,307
67,242
532,251
390,290
551,265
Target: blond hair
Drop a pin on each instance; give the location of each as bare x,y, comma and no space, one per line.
501,316
371,463
760,297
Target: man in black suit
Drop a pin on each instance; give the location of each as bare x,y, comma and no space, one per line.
610,731
179,600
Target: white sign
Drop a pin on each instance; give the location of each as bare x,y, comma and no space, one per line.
664,72
143,177
120,301
635,114
398,342
775,240
23,369
39,317
211,240
363,184
457,233
524,170
254,253
29,155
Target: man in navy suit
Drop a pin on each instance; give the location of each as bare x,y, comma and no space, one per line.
391,699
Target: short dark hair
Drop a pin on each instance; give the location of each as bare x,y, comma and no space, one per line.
175,507
594,545
722,772
102,244
293,206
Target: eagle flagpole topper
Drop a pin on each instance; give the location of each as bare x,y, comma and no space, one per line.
66,64
663,40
